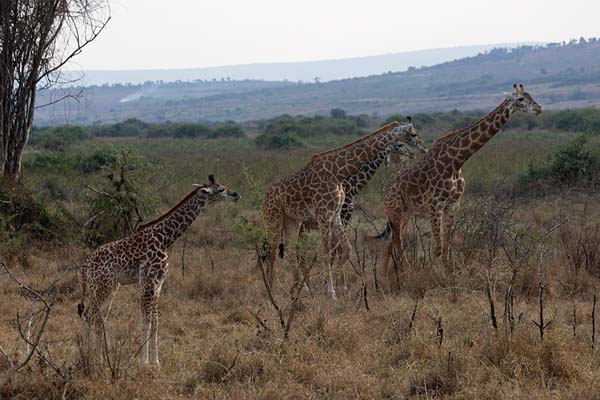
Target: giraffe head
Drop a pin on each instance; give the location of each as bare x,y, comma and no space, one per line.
523,101
409,135
214,191
400,149
396,151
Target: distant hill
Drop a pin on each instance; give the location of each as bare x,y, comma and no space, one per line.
325,70
559,76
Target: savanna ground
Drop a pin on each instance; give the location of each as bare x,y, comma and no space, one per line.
425,331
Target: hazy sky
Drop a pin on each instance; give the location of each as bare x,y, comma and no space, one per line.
201,33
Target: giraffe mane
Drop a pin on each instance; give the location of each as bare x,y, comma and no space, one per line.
456,132
383,128
171,211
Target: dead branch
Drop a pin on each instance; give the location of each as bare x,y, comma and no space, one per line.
541,324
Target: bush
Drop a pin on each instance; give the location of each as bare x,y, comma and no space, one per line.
272,141
121,199
190,131
228,130
338,113
568,165
572,162
86,163
23,214
58,138
97,160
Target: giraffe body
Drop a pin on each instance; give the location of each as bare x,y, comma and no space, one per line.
141,258
315,196
434,185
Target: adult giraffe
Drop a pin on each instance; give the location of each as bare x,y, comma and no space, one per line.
141,258
316,194
434,184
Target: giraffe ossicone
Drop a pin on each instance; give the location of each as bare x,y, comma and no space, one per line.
434,185
141,258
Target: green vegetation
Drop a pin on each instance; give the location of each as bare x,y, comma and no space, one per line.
122,199
288,132
571,164
58,138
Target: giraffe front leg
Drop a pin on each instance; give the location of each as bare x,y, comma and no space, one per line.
154,324
436,230
447,233
149,324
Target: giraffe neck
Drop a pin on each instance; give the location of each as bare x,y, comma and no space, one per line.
356,182
171,225
466,142
356,159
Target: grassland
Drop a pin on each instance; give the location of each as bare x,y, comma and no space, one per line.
425,332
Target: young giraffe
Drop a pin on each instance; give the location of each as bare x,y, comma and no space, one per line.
315,195
434,185
354,184
142,258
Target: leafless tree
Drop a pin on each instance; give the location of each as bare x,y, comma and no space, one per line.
37,38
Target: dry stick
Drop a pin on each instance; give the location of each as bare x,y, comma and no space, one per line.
212,262
360,269
541,324
414,314
375,280
259,321
594,318
509,307
269,290
32,345
440,332
492,307
574,319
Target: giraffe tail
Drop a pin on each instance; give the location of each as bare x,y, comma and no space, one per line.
386,234
80,306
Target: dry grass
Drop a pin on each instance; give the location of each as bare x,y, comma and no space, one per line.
211,346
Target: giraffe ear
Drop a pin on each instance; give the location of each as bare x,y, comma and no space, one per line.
207,190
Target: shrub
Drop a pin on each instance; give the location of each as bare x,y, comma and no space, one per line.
568,165
122,198
190,131
272,141
338,113
58,138
572,162
97,160
228,130
23,214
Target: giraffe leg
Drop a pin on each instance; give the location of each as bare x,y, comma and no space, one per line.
449,215
291,232
273,221
436,229
102,292
395,250
447,232
149,311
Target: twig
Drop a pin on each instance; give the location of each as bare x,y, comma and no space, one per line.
594,317
492,307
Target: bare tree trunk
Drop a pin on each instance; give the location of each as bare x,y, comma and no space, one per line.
37,38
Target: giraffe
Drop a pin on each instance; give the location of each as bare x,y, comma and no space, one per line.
399,159
434,185
355,183
316,194
142,258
